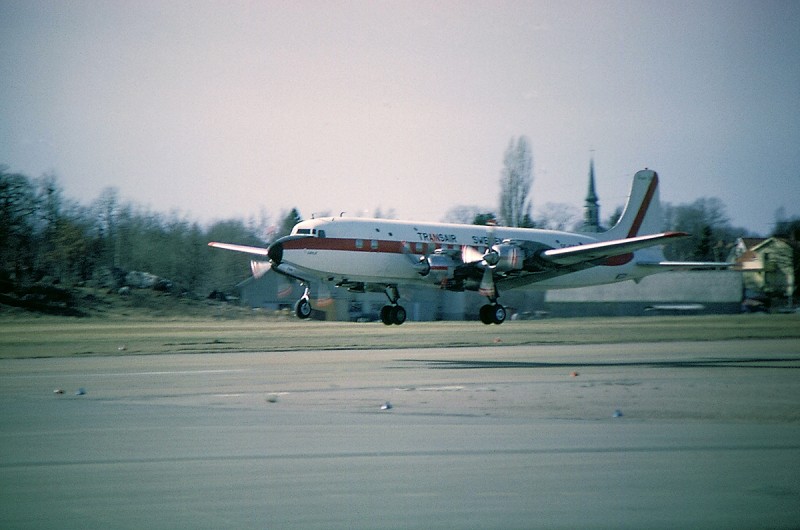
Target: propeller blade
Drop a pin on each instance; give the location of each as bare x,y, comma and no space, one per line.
486,287
491,257
492,224
259,268
420,264
471,254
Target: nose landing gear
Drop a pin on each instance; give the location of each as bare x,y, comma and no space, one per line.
493,313
302,308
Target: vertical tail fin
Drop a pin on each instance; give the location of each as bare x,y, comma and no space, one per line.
642,214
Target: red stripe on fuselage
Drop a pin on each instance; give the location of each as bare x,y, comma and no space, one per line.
364,245
648,197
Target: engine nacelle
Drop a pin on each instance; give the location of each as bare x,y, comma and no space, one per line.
442,268
510,257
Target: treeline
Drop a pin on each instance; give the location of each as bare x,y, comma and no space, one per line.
48,239
711,235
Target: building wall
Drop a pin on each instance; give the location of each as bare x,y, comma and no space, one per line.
689,292
695,292
269,292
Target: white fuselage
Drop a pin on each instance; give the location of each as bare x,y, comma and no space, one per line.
384,251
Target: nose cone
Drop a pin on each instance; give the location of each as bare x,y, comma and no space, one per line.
275,253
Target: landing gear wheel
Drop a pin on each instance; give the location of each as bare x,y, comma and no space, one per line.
498,314
493,314
485,313
302,308
386,315
393,314
398,314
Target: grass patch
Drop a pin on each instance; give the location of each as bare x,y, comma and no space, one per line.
141,334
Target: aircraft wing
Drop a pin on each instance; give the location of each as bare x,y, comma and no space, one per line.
596,253
558,262
240,248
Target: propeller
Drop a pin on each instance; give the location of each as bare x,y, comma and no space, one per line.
420,263
260,268
488,260
471,254
275,254
489,256
486,287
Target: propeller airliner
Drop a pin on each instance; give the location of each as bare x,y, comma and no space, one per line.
380,255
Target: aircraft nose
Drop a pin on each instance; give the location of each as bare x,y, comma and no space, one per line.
275,252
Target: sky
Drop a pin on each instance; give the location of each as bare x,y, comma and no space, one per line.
233,109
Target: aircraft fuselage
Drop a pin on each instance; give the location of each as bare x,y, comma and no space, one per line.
383,251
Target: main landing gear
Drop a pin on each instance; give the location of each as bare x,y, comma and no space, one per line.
394,313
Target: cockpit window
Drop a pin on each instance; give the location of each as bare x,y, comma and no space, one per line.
309,232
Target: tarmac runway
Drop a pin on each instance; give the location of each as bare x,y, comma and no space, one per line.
668,435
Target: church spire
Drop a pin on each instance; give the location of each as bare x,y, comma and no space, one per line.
591,210
592,196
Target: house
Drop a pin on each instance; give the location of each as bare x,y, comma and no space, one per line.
768,266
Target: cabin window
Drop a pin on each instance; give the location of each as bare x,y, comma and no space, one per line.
320,233
374,244
359,243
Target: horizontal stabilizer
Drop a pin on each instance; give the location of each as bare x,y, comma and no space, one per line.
606,249
240,248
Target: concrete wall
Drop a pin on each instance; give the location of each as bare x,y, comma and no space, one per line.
694,292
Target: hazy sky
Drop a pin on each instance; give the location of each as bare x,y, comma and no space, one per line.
224,109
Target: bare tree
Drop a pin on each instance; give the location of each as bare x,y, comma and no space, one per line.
464,214
380,213
18,208
558,216
515,184
708,225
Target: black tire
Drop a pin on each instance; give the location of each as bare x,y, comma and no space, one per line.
302,308
498,314
398,314
386,315
486,314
